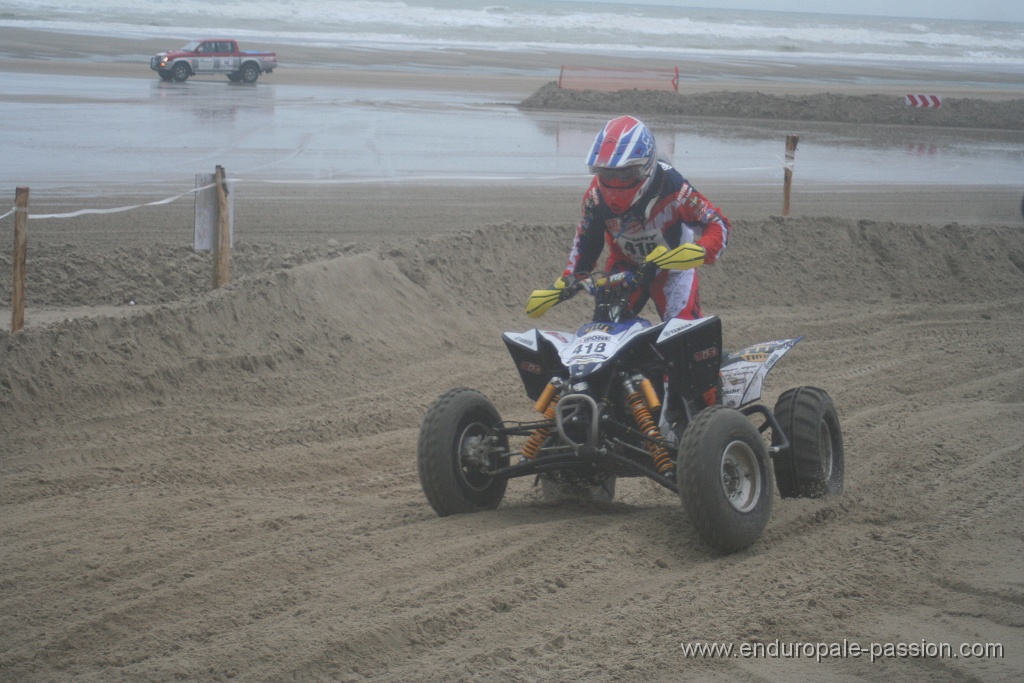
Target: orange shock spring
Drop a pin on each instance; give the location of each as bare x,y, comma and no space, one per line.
650,396
662,460
546,405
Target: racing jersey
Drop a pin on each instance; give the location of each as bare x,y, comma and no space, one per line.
670,213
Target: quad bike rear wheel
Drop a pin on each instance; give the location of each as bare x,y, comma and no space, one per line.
455,450
812,466
725,478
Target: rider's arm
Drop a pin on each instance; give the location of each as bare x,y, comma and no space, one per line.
589,240
695,209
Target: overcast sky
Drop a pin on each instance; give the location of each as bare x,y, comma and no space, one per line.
982,10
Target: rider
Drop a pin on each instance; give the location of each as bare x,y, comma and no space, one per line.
635,203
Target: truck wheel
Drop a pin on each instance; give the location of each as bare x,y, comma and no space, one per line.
164,76
725,478
249,73
455,450
234,77
180,72
812,466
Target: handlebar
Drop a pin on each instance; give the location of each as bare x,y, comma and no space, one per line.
610,290
683,257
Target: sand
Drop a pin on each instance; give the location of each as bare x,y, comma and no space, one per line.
221,485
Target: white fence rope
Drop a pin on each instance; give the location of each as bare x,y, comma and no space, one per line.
335,181
117,209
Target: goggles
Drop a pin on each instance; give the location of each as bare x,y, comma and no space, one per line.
620,177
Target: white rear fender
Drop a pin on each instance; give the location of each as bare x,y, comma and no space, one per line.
743,371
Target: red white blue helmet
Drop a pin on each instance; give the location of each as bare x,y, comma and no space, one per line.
623,158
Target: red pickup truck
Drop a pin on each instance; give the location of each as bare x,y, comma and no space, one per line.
213,56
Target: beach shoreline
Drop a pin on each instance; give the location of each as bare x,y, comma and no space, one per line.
517,74
516,77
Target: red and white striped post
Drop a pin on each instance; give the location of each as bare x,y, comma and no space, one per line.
924,101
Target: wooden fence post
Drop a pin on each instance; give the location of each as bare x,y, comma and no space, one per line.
787,182
222,240
20,247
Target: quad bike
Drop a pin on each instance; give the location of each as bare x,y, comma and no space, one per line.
626,398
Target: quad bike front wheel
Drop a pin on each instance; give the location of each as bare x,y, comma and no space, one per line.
456,450
725,478
813,465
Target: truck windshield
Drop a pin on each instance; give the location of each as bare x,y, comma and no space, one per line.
191,46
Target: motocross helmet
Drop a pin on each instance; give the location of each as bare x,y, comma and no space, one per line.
623,157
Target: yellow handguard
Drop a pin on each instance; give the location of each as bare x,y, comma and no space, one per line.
541,300
683,257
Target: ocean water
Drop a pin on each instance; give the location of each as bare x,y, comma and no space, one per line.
542,25
276,132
